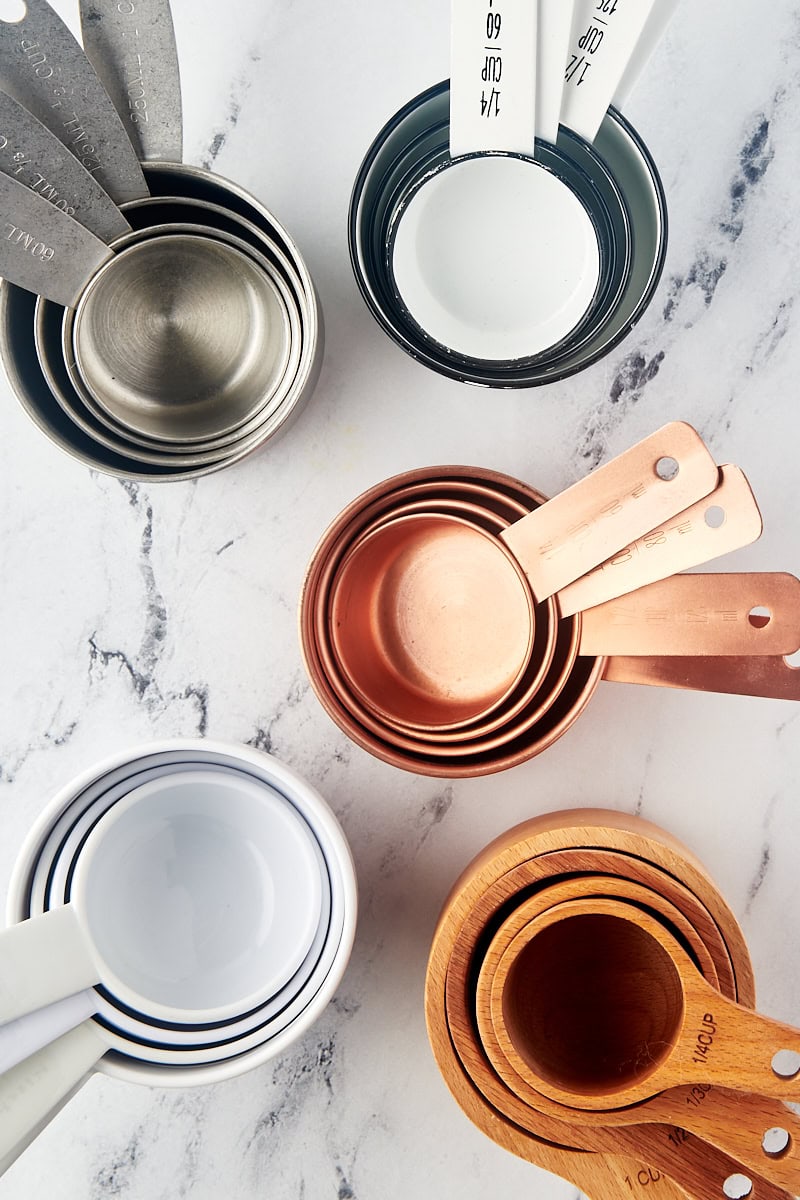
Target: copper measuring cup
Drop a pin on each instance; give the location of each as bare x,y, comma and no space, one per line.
393,627
539,660
498,491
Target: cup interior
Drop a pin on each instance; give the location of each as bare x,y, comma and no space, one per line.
201,893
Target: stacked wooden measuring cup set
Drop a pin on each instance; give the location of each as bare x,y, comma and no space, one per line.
589,1003
455,623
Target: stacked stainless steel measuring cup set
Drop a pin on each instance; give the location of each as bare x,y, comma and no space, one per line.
156,321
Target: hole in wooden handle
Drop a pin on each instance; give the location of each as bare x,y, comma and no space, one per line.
786,1064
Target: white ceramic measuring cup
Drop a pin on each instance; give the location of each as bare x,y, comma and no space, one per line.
132,1033
35,1090
194,898
95,1040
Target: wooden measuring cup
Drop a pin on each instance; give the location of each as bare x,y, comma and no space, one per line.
553,846
743,1126
654,1022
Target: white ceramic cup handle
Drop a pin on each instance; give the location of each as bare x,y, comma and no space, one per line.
657,22
492,75
21,1038
604,37
37,1089
42,960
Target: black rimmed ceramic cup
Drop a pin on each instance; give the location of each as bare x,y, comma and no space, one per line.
615,181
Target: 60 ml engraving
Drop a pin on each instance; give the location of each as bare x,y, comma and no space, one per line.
28,242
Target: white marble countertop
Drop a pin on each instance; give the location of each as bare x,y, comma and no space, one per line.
134,612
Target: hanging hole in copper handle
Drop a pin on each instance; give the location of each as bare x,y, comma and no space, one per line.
715,516
759,616
667,468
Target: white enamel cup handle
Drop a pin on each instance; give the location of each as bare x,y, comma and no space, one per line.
21,1038
42,960
604,37
492,76
657,22
33,1092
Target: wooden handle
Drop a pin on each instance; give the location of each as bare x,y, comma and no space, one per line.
741,1126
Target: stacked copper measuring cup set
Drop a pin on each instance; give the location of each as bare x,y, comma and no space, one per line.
589,1001
454,622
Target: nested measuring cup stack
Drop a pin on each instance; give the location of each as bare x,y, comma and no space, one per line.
180,914
454,623
589,1001
508,227
156,320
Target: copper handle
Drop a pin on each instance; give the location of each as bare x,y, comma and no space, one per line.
617,503
739,675
728,614
727,519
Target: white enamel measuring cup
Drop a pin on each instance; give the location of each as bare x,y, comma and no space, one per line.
492,254
195,898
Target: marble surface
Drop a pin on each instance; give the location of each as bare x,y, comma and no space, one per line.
132,612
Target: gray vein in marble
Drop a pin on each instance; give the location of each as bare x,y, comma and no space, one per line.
760,876
770,339
431,814
764,862
199,694
345,1190
263,738
787,724
239,90
711,263
55,736
114,1178
195,1105
637,812
295,1076
640,367
142,669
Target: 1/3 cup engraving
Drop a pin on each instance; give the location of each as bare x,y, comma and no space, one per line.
33,178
